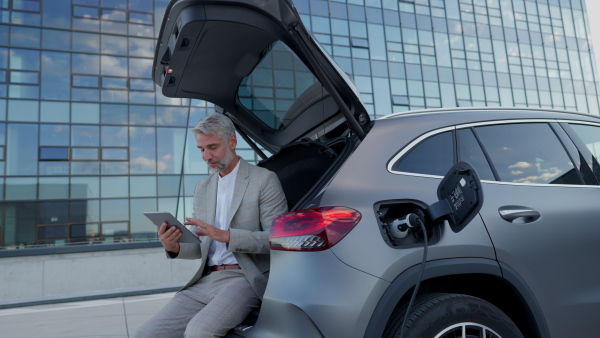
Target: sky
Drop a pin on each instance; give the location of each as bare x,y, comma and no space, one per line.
593,10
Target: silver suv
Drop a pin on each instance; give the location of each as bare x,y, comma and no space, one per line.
374,245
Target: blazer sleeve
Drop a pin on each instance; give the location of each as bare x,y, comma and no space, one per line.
190,250
271,202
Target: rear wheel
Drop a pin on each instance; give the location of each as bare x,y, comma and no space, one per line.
452,316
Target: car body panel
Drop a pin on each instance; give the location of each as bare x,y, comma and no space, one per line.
557,255
337,298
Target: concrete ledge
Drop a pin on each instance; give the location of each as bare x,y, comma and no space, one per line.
90,296
65,277
77,248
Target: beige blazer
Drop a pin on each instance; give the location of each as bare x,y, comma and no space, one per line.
257,199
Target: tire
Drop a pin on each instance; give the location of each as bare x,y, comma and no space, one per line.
446,315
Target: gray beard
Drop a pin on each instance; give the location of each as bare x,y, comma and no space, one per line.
225,162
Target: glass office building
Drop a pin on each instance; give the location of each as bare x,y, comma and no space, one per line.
88,143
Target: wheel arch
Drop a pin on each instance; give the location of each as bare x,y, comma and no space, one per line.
478,277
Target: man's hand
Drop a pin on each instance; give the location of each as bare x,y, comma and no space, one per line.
169,237
205,229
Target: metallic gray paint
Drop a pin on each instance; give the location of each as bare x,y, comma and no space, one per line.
325,289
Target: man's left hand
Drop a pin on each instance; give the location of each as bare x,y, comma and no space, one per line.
205,229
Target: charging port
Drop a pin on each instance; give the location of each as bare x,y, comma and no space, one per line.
398,222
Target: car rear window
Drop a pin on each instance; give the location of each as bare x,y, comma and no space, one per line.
281,88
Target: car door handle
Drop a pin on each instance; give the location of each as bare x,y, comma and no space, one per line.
518,214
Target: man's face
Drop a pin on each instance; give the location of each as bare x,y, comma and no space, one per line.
217,153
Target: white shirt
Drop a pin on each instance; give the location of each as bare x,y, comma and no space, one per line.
218,253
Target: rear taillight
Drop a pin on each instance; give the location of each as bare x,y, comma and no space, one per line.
312,229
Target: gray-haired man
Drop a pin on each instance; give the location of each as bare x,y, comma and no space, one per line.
233,210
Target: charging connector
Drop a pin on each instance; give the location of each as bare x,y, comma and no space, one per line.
400,226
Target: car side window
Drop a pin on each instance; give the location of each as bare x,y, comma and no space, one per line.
470,151
434,156
528,153
590,135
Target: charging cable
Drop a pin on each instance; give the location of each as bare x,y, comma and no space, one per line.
399,228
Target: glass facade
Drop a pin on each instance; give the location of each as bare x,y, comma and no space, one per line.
88,142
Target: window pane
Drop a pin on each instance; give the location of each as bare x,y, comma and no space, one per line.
84,153
54,188
85,168
114,186
143,150
434,156
27,5
114,82
114,229
114,154
143,186
24,77
114,210
114,44
113,114
54,154
170,150
86,42
590,135
85,81
24,59
52,232
282,70
470,151
18,188
140,18
114,136
113,15
58,14
528,153
113,65
140,68
22,149
86,12
55,39
54,111
86,64
85,187
141,47
25,37
85,136
54,135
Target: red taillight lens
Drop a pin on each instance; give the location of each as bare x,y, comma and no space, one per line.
312,229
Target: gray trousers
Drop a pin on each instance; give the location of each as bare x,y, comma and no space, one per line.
215,304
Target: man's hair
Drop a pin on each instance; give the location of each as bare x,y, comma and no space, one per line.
215,123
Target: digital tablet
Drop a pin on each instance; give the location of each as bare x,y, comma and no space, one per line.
158,217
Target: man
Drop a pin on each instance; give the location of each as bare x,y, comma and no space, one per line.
233,210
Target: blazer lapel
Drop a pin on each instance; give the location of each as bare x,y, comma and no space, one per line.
211,199
241,183
211,207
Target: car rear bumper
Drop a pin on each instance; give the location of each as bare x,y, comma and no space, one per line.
314,294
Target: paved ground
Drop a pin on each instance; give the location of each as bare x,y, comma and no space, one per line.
114,317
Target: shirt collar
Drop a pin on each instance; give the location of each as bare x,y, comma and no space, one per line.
231,175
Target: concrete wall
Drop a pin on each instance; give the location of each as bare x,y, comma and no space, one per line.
55,276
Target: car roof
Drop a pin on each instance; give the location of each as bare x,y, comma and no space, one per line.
461,115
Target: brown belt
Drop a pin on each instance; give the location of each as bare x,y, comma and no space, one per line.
224,267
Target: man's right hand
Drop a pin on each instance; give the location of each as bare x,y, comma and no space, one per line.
168,237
